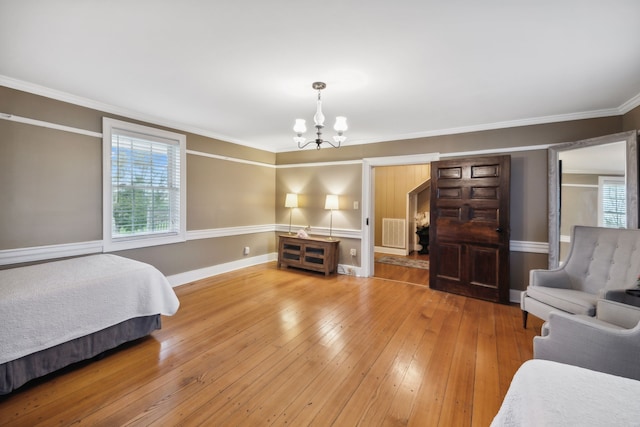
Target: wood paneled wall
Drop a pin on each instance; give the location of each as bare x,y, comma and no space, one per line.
392,183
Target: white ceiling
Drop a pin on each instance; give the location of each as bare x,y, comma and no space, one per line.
241,70
608,159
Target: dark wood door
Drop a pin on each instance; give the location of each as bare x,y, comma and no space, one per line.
469,231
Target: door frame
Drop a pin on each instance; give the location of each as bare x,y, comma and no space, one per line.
368,200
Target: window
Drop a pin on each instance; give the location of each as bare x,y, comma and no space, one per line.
144,186
612,202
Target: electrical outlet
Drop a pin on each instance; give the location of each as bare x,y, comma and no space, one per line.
246,250
354,252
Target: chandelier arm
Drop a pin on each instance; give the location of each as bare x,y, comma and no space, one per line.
332,144
307,143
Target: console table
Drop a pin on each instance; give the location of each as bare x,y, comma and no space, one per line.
312,253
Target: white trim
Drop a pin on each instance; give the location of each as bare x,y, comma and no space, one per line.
515,296
493,126
230,159
390,251
213,233
317,164
39,253
368,208
580,185
497,150
410,159
630,104
348,270
119,111
345,233
529,247
214,270
202,273
109,243
85,102
392,160
34,122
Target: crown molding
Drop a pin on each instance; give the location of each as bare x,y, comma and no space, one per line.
112,109
630,104
108,108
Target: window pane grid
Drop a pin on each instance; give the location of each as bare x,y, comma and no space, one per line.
614,203
145,186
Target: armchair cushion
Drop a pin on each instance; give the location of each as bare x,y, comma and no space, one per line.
569,300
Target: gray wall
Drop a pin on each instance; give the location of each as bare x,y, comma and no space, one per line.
51,187
50,184
529,213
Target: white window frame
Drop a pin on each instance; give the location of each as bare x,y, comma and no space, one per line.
602,181
112,243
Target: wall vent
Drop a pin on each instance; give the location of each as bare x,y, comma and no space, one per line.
394,233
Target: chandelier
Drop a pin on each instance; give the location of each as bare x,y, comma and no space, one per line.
300,127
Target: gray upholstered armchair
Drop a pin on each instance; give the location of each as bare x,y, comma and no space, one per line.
601,262
609,342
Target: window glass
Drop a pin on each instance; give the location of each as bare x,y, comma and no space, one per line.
144,169
612,202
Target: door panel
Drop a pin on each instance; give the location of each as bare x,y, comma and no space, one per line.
469,231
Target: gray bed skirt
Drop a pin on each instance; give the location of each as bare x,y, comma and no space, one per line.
17,372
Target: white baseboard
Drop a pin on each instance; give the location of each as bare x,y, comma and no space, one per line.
202,273
514,295
390,251
349,270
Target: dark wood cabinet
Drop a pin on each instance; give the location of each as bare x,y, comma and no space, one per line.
313,253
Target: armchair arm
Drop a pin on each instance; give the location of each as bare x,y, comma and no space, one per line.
557,278
623,315
620,295
589,343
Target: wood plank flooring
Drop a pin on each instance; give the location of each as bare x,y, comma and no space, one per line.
403,274
264,346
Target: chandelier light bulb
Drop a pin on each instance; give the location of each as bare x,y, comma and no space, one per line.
341,125
300,127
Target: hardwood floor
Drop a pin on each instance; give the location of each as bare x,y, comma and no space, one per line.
394,272
264,346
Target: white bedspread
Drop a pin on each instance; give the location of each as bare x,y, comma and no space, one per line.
544,393
48,304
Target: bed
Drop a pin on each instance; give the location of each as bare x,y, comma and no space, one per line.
58,313
545,393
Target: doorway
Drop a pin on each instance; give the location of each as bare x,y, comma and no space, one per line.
368,202
401,197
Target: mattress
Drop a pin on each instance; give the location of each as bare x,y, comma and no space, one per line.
61,312
47,304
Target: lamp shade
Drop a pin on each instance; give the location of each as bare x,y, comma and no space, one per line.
331,202
291,201
341,124
300,127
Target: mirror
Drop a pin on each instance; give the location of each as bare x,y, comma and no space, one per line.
576,173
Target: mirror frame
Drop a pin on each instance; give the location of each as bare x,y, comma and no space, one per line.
631,180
